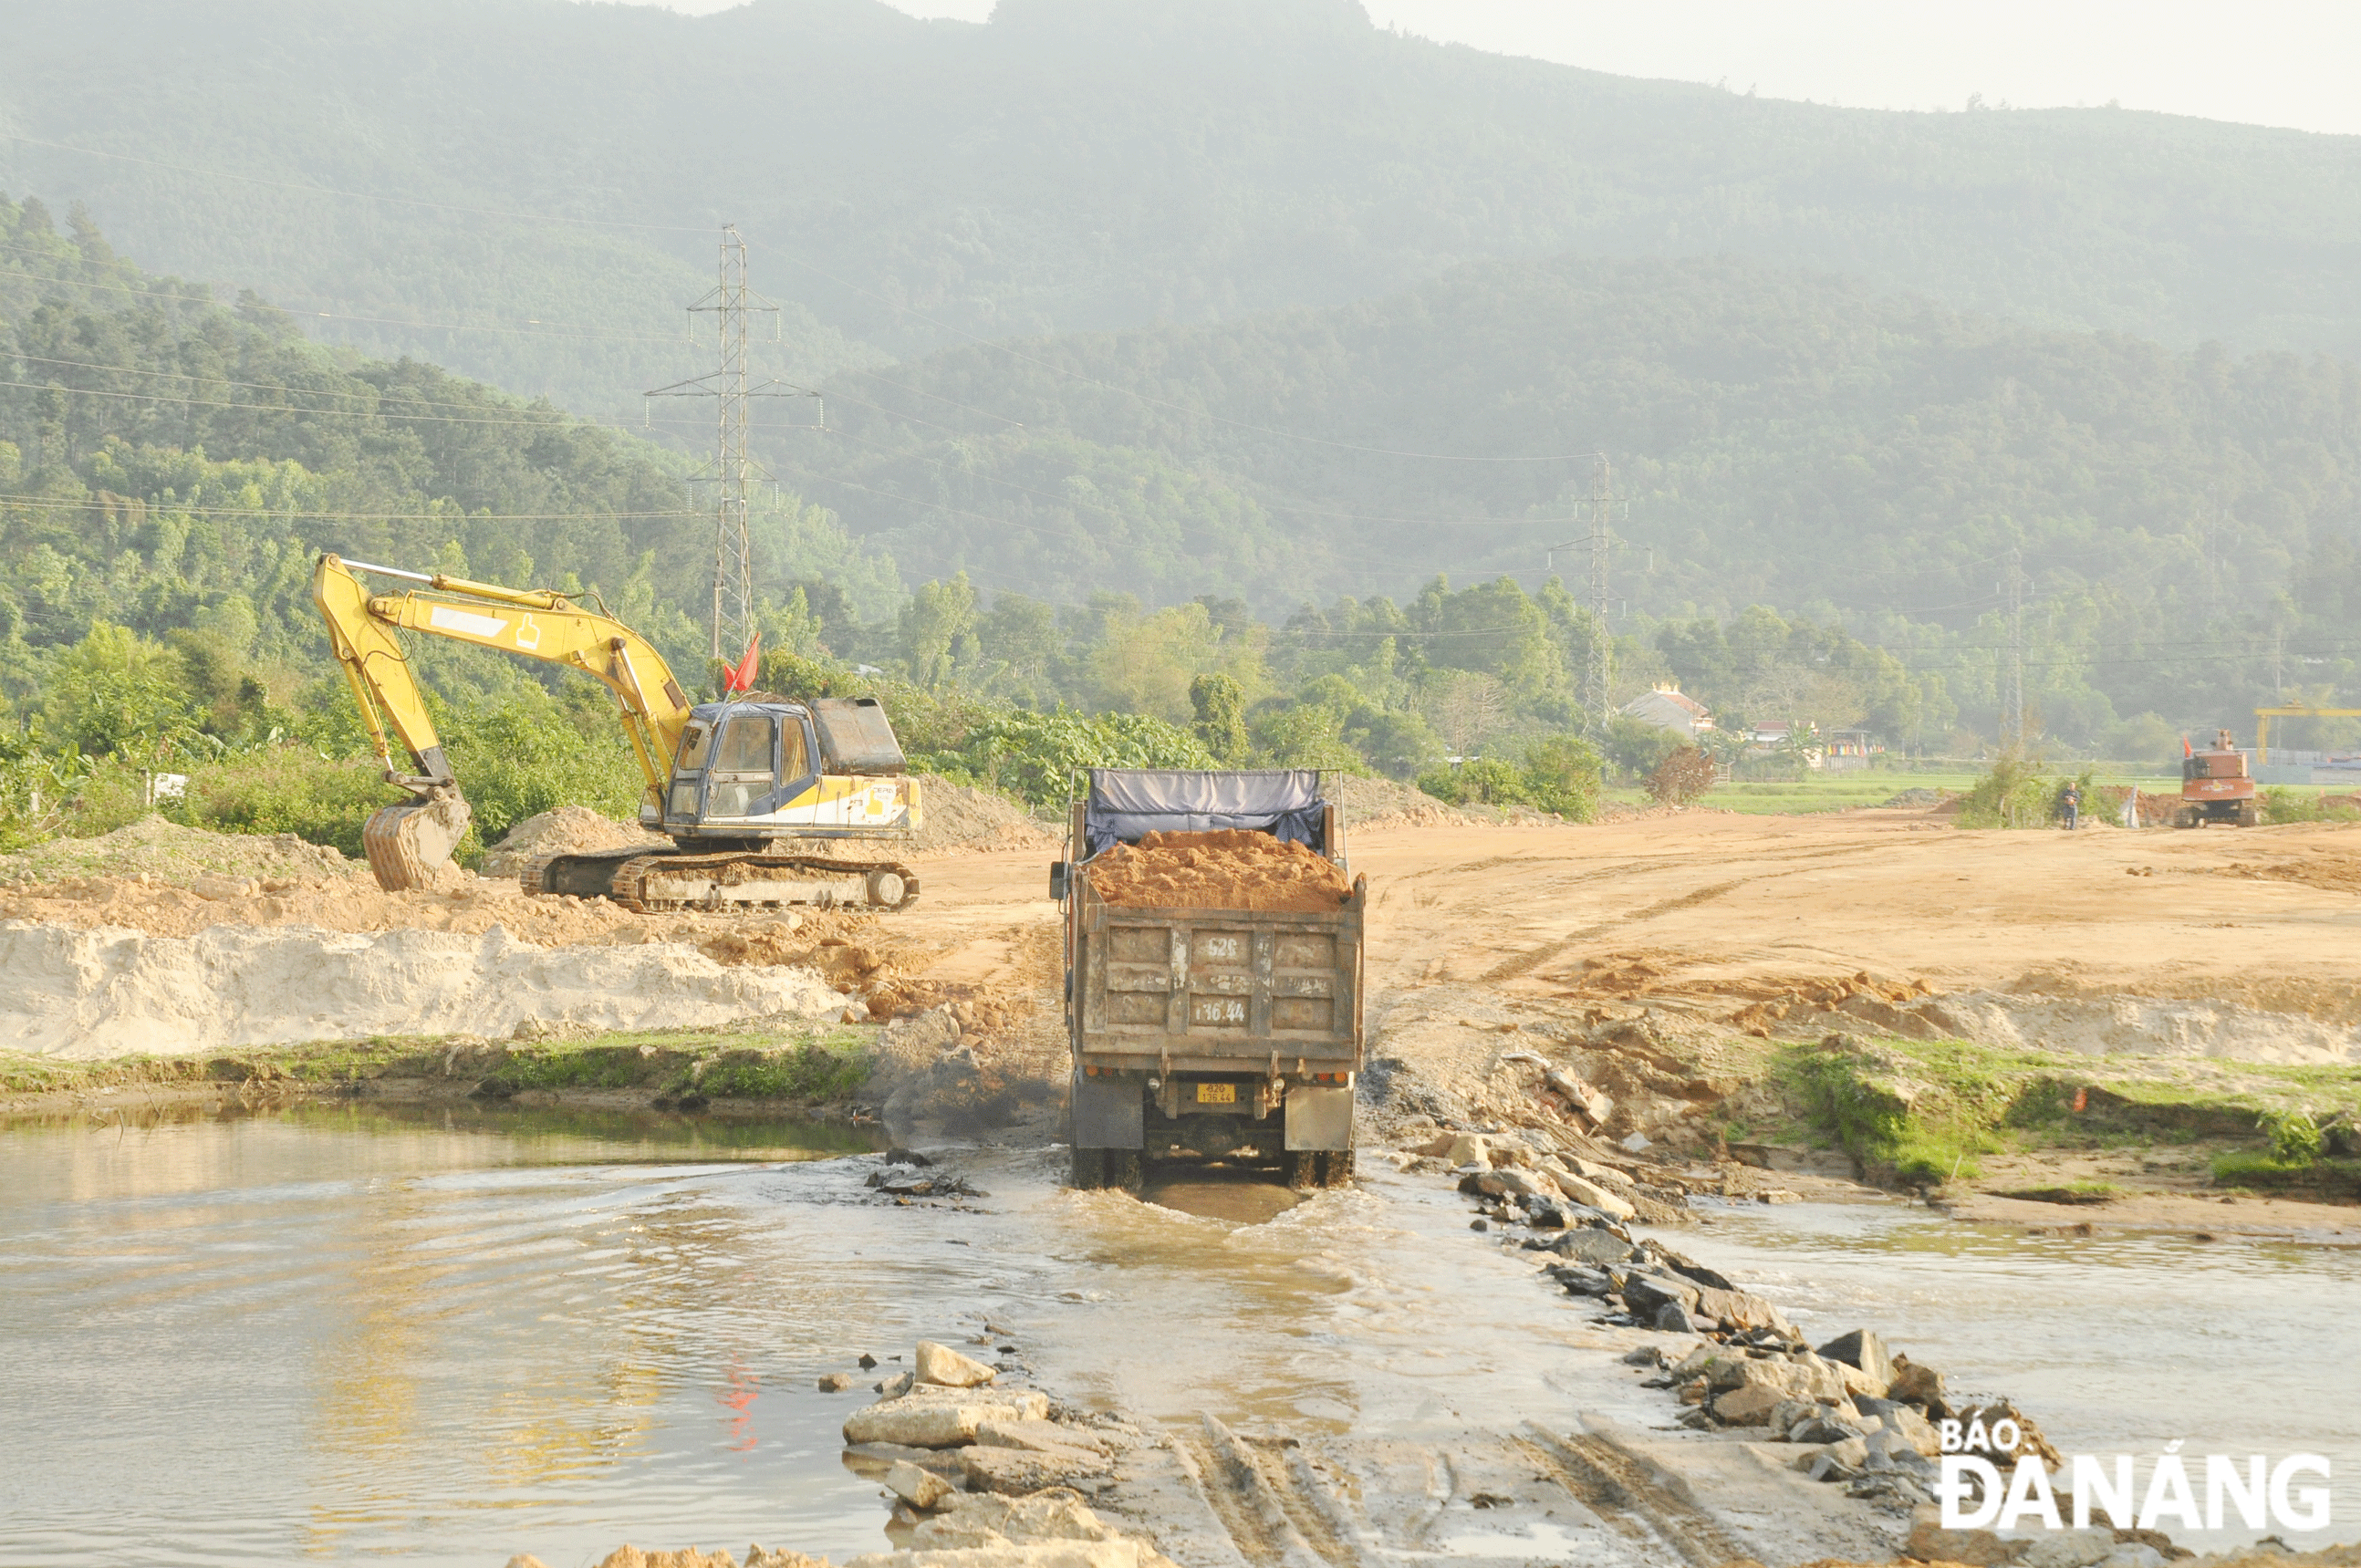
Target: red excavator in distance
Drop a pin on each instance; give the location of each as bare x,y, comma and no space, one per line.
2215,786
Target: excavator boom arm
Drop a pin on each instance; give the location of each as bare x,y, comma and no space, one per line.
403,840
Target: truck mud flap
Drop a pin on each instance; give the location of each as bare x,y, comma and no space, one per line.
1319,1118
1107,1113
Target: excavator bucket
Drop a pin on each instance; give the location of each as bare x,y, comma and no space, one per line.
409,844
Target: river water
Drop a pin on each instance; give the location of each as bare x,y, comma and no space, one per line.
442,1337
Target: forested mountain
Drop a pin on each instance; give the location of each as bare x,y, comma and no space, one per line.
1073,165
173,465
1779,438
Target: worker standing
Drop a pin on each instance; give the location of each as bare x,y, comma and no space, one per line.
2070,804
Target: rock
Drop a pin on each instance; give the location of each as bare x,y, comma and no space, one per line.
1479,1224
868,1361
1930,1543
1508,1182
1672,1318
1787,1415
1852,1453
920,1489
907,1157
1739,1310
953,1531
629,1556
947,1420
1042,1554
1016,1471
1821,1428
1646,1294
1748,1405
2068,1549
836,1382
1694,1273
1636,1143
1915,1384
1694,1363
901,1383
2031,1439
1915,1429
1862,1348
526,1560
1581,1281
947,1369
1547,1214
1828,1467
1597,1197
1590,1244
1041,1436
1467,1148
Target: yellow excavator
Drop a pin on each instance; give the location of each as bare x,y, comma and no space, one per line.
726,781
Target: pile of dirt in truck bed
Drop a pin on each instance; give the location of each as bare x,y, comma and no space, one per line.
1230,869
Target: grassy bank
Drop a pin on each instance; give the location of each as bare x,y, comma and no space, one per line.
689,1067
1919,1113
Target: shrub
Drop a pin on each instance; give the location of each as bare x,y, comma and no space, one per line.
1562,775
1479,781
2016,792
286,789
2295,1136
1683,774
1035,756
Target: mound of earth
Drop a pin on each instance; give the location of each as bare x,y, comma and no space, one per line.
91,994
166,852
1918,796
569,830
1382,803
1228,869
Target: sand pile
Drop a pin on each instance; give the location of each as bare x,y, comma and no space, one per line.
89,994
569,830
1231,869
167,851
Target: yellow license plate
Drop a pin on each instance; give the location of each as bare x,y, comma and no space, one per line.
1217,1095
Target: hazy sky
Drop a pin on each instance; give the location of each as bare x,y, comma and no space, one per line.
2274,62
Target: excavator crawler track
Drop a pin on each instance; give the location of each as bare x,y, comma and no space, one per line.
655,880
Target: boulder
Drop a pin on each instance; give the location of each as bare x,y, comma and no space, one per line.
901,1383
2068,1549
836,1382
1547,1214
1789,1414
1590,1244
1468,1148
1672,1318
1748,1405
629,1556
919,1488
1739,1310
1696,1361
950,1532
1824,1425
944,1419
1863,1349
1041,1436
1646,1294
1015,1472
1915,1384
1591,1170
947,1369
1038,1554
1596,1196
1930,1543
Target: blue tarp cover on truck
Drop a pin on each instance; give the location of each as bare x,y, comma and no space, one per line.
1126,804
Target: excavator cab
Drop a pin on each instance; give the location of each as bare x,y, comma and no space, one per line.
762,767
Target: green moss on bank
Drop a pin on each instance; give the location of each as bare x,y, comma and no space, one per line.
1917,1114
729,1064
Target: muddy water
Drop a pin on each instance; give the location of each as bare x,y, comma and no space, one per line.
2117,1343
443,1339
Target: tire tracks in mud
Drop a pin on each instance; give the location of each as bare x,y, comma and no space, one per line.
1279,1513
1522,964
1631,1496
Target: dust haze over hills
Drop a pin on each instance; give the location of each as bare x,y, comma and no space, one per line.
1844,360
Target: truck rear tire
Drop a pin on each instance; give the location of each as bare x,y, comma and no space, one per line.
1336,1168
1125,1168
2250,814
1089,1169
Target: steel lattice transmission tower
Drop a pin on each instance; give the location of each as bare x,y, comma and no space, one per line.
1602,543
730,385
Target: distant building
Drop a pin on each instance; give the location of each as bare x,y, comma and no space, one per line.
1770,734
1850,749
1667,708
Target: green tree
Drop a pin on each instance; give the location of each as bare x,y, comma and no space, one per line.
116,694
1220,705
1562,774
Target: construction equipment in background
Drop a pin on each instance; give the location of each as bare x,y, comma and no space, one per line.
726,781
2263,717
2215,786
1217,1029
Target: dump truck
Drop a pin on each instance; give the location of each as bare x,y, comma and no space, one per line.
2215,786
731,783
1229,1033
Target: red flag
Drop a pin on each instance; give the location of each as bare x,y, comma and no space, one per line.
742,678
2185,750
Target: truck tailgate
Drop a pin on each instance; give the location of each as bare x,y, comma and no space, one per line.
1213,989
